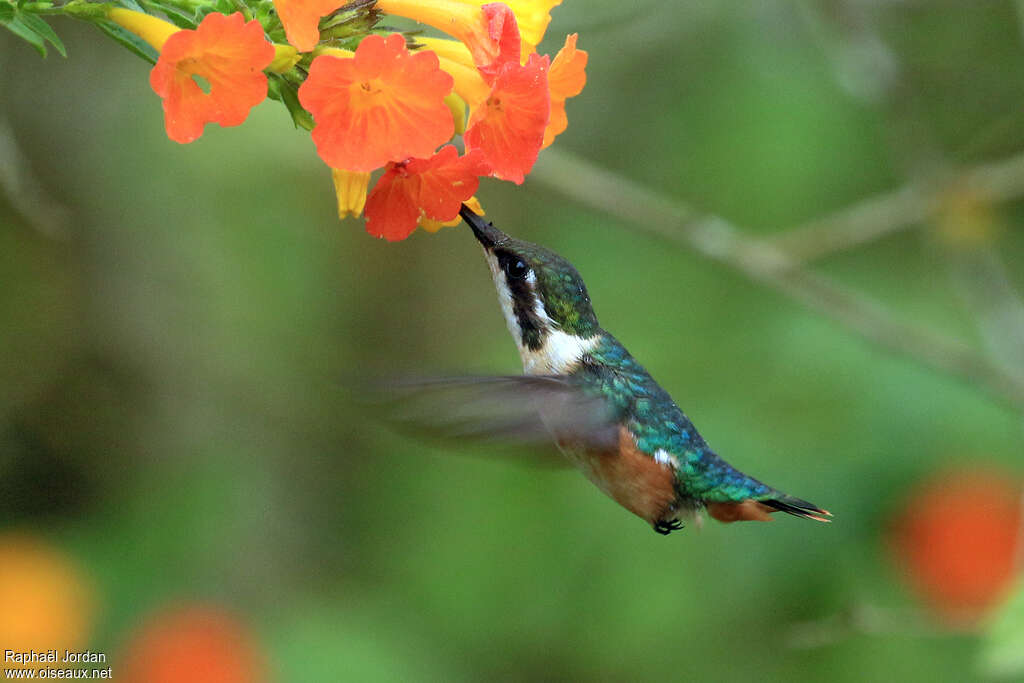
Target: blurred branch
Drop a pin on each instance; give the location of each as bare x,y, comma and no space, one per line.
980,276
714,237
905,208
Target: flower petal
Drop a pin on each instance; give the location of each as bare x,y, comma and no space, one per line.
568,70
565,79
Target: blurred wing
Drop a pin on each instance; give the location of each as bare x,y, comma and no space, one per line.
511,415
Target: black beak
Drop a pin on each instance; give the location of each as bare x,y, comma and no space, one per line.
484,231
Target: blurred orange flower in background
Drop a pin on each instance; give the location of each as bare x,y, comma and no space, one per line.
198,643
230,55
958,540
45,601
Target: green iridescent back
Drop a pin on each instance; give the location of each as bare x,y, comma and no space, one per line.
658,424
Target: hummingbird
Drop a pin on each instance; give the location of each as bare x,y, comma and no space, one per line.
583,390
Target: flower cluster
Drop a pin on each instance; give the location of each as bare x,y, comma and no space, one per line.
379,102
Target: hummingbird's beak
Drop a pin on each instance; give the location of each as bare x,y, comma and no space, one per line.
484,231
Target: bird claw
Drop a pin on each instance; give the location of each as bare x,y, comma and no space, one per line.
666,527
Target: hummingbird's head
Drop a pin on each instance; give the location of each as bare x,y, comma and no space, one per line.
544,300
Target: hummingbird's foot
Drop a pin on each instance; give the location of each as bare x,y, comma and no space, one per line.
666,527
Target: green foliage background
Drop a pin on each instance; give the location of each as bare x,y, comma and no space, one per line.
177,322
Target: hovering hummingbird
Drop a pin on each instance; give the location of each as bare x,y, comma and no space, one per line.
584,391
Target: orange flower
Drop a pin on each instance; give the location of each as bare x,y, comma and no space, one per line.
565,79
958,538
490,32
301,20
433,188
509,127
383,104
229,55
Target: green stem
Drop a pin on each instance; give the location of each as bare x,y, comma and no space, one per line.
80,9
186,5
42,8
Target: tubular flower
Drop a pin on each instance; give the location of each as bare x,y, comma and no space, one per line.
301,20
411,190
383,104
350,188
509,127
533,17
226,52
488,30
565,79
152,30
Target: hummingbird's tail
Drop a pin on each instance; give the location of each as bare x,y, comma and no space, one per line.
798,508
760,509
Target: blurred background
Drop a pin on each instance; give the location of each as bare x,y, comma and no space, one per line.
803,217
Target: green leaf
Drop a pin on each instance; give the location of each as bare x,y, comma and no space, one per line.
286,92
175,15
128,40
19,28
1003,651
7,12
43,30
131,4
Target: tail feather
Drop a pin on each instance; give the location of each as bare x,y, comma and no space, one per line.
798,508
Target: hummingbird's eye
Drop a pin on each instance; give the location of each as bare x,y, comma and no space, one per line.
516,269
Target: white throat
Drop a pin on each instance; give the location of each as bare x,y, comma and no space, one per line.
560,353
